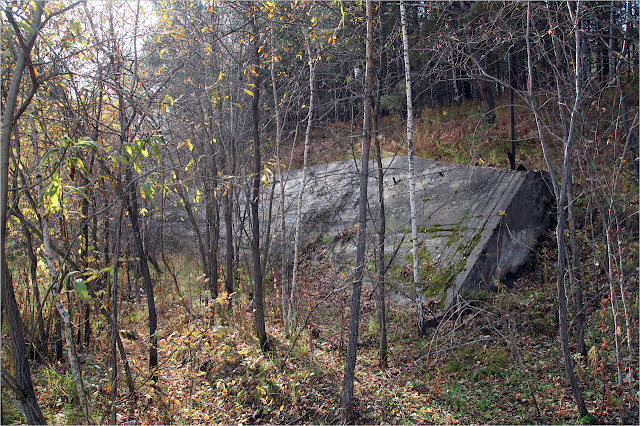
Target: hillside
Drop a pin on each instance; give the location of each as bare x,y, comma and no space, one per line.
453,134
492,359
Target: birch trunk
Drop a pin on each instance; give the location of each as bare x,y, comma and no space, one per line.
412,182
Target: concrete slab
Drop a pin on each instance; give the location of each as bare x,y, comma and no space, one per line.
476,225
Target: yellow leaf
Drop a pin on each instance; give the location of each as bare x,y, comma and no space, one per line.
502,213
248,92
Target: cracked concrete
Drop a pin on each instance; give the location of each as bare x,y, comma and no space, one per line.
476,225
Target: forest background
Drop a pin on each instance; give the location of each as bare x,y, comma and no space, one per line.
114,113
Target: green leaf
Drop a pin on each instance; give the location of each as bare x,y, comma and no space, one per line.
124,160
154,146
87,143
53,191
48,154
75,27
80,164
81,288
79,191
65,141
148,190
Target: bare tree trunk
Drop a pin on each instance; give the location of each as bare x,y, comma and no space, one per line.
228,244
412,182
22,384
611,264
573,262
380,262
33,264
255,196
284,284
131,199
227,199
213,231
560,192
382,225
196,229
354,320
512,83
307,136
114,321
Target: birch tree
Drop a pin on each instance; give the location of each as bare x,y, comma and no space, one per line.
412,181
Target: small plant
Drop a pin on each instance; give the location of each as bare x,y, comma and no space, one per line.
373,326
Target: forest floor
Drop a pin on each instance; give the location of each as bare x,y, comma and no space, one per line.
498,362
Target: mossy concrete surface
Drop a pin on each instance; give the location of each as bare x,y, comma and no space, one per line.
476,226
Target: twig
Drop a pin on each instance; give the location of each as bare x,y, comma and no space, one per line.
306,321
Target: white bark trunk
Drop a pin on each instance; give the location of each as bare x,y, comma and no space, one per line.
412,183
307,136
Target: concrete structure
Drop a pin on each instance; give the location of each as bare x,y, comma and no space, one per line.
476,225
